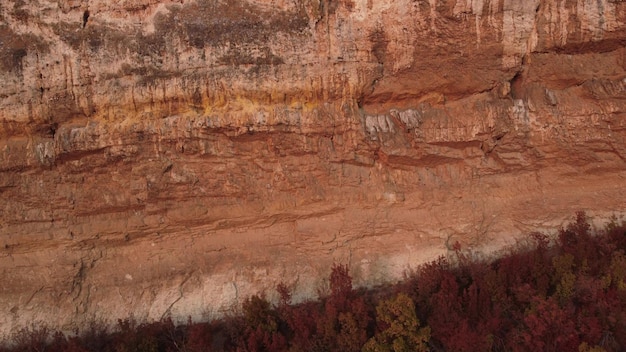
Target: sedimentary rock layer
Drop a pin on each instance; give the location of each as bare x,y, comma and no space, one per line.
172,157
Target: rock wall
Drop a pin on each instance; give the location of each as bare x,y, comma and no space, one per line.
172,157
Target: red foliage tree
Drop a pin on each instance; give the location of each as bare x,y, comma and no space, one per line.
548,327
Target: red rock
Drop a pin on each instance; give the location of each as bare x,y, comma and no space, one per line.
174,157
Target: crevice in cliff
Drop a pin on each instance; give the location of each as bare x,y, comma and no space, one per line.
168,311
33,296
515,84
599,46
517,81
77,281
66,154
85,18
490,145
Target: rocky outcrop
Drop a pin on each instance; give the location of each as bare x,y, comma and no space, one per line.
172,157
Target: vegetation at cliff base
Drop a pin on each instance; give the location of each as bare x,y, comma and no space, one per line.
560,293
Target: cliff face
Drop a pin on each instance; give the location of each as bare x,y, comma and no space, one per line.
173,157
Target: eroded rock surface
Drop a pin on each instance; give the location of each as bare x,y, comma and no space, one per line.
172,157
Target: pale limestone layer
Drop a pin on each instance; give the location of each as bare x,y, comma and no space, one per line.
171,158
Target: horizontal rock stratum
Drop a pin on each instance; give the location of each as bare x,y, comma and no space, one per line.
173,157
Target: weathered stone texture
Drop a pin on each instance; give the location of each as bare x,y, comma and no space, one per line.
172,157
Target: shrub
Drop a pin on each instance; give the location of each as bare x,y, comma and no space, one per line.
399,327
33,338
